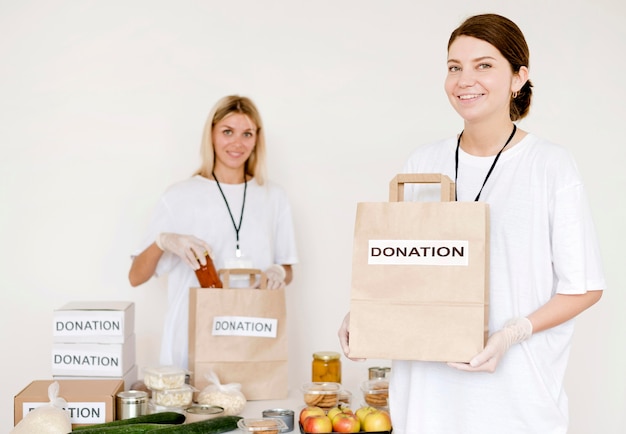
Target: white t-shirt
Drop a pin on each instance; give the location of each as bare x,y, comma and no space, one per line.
542,242
196,207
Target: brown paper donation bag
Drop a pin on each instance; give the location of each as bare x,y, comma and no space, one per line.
241,335
420,276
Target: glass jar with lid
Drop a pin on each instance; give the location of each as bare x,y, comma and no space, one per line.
326,367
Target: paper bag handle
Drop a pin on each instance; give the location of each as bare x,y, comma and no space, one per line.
396,186
252,272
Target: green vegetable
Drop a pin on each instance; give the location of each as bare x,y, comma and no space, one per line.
216,425
166,417
134,428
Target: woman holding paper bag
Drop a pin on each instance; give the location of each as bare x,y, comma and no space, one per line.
545,262
228,209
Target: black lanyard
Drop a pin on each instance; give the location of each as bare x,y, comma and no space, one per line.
456,162
237,228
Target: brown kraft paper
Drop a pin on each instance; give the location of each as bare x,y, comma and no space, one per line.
420,276
256,357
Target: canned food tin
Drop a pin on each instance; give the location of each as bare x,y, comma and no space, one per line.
379,372
282,414
131,403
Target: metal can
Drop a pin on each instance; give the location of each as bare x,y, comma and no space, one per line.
379,372
131,403
326,367
284,415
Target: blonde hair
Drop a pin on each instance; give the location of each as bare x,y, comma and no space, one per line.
255,165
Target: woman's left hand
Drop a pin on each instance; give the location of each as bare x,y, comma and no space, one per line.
515,331
275,276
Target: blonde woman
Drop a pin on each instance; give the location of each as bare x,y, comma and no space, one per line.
227,208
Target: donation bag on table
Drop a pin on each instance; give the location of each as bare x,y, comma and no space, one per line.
420,276
240,334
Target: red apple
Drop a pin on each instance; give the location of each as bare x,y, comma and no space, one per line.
317,423
346,422
378,420
310,411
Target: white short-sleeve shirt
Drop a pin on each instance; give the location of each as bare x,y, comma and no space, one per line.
542,242
196,207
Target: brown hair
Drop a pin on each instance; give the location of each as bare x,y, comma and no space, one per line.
507,37
255,165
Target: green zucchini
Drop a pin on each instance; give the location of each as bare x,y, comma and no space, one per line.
134,428
216,425
166,417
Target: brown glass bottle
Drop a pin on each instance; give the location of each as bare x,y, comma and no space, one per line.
207,274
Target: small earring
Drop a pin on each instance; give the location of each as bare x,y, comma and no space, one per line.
515,94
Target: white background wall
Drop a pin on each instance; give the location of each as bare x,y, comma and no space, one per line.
102,105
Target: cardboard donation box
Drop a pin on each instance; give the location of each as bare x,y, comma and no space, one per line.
94,360
94,322
420,276
94,339
88,401
241,335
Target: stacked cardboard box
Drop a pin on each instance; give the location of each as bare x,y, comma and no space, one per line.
93,359
88,401
95,340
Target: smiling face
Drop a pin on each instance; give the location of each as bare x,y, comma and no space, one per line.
234,138
480,80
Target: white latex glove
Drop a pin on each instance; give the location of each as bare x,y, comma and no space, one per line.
514,331
276,275
344,337
187,247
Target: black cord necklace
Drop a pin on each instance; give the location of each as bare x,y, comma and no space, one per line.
456,162
237,228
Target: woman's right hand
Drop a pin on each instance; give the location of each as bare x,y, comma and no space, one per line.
189,248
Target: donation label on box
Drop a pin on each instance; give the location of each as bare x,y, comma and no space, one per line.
94,321
95,360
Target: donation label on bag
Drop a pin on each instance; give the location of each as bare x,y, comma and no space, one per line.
420,276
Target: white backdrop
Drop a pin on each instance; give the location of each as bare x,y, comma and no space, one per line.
102,105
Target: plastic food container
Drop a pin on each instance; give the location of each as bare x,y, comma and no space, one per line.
153,408
376,393
263,426
179,397
345,398
198,412
164,377
286,416
324,395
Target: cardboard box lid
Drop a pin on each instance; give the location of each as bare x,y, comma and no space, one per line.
97,305
87,390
